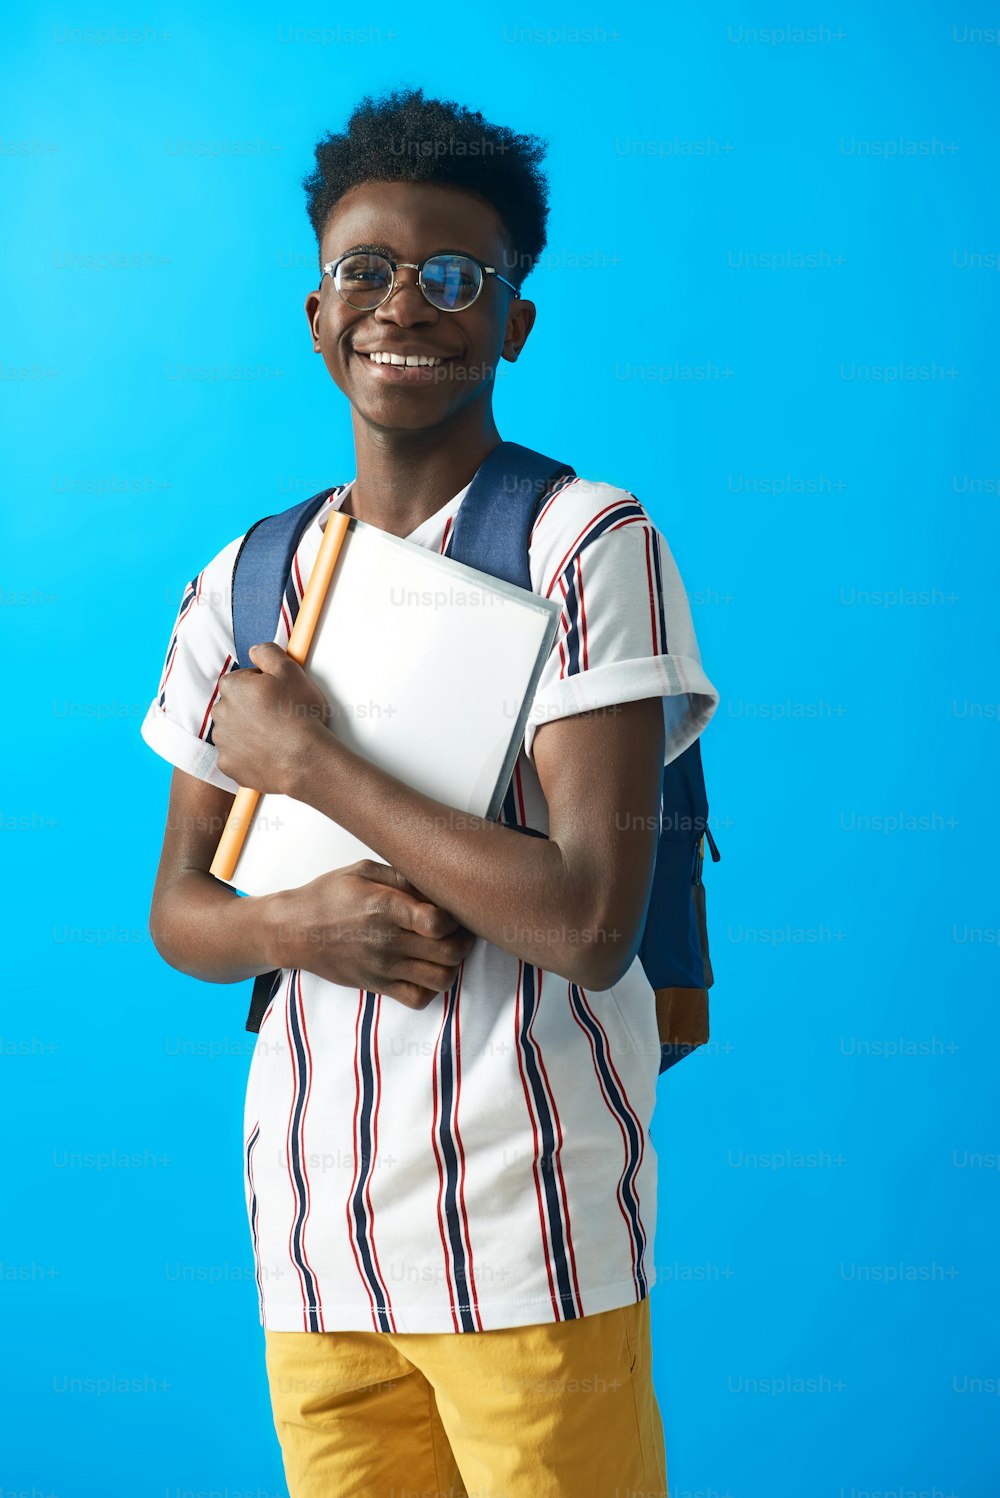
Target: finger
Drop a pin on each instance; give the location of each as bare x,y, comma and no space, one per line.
445,951
410,889
409,994
409,912
384,873
428,975
420,916
269,657
235,681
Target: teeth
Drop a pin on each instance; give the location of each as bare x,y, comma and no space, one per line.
380,358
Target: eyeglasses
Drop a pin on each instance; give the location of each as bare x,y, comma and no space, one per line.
449,282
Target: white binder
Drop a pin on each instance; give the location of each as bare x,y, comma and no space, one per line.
430,668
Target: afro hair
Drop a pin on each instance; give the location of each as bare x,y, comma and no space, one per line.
403,137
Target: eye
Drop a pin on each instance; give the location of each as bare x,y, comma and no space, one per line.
364,270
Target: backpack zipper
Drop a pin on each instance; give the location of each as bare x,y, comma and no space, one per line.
716,855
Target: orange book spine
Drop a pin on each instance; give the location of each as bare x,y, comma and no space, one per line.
244,807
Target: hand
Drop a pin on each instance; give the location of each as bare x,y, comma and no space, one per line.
365,926
264,719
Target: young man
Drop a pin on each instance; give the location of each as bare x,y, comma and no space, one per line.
450,1182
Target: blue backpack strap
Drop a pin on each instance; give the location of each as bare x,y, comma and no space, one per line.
494,520
261,571
260,575
492,531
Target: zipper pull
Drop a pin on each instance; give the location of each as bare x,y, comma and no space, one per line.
716,855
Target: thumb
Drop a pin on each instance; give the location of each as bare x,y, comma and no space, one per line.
268,657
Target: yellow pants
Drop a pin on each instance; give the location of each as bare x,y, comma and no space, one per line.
560,1410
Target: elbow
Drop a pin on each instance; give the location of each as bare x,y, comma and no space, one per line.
604,954
161,930
596,972
158,935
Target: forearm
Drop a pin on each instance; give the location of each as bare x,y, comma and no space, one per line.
515,891
203,928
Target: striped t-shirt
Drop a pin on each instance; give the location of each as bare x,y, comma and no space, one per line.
486,1161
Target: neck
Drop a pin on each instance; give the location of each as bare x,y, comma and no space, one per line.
405,477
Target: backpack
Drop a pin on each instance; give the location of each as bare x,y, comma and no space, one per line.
491,532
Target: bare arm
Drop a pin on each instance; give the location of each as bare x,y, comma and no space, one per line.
572,903
199,925
363,926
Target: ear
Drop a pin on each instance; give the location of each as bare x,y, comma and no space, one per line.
520,320
312,314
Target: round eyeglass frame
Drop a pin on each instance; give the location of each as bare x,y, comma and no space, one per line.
331,268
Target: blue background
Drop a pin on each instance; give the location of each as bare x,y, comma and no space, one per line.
829,1181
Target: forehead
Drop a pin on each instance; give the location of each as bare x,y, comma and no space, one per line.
413,219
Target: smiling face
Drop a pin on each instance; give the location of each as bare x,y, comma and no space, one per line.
409,221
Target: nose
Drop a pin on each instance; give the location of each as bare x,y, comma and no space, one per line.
408,309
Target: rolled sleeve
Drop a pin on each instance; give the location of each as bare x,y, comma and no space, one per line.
625,632
200,653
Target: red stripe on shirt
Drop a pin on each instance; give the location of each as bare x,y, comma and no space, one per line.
171,657
460,1151
617,1117
652,597
351,1230
208,710
374,1126
296,1084
520,794
440,1165
302,1145
558,1160
564,621
546,1245
549,502
580,535
583,610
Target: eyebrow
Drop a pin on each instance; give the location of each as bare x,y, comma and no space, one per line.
383,249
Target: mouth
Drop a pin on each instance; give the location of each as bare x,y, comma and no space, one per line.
405,369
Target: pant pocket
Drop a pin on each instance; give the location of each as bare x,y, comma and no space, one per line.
649,1423
631,1337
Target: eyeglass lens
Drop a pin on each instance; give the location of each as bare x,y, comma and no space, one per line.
449,282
